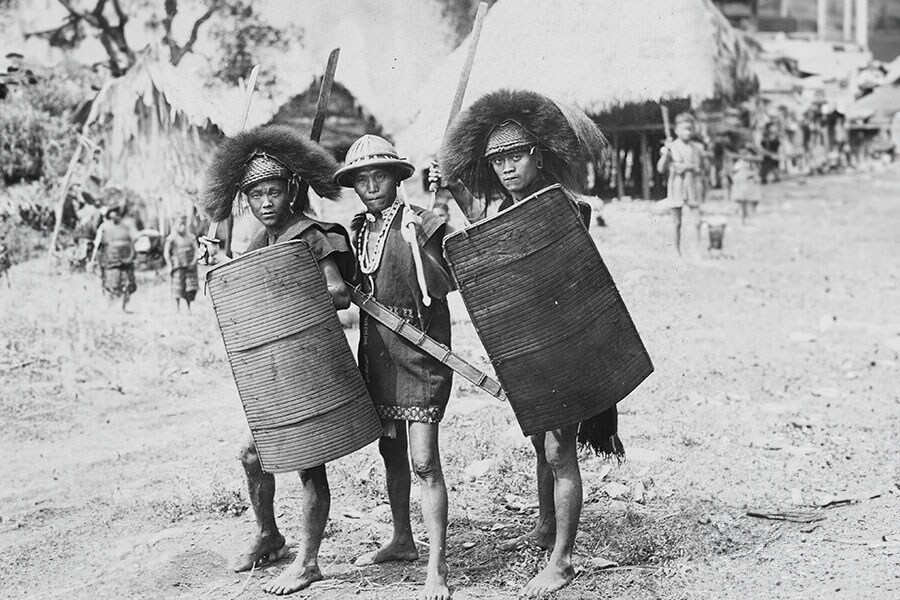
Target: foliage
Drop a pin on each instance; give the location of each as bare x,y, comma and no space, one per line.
36,137
24,209
461,14
34,143
238,28
241,35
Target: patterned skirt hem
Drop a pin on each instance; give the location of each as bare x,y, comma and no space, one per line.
419,414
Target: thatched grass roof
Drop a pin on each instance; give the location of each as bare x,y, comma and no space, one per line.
596,54
879,107
156,130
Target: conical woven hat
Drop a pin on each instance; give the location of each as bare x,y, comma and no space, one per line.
372,151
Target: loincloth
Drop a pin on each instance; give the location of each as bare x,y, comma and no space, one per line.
119,280
184,282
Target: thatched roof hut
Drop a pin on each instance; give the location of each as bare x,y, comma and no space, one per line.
155,131
345,121
602,56
877,109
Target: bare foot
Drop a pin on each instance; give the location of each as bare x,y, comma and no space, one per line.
541,539
435,588
263,550
550,579
391,551
293,579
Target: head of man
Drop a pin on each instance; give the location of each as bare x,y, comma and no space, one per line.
181,226
442,211
260,154
267,186
684,127
114,214
515,157
517,170
374,170
376,187
564,140
269,201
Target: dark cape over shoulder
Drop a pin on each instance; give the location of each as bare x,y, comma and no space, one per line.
324,239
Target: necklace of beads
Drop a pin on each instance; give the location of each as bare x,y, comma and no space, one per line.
369,264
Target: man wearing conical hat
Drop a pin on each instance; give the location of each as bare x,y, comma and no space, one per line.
270,167
410,388
505,147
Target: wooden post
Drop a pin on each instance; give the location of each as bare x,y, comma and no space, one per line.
862,23
847,22
60,205
822,19
646,167
620,182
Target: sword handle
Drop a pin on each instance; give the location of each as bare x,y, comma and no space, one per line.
417,261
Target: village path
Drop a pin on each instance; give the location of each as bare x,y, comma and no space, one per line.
775,390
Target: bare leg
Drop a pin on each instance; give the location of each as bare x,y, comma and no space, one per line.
426,464
396,463
544,533
562,457
269,545
125,298
315,505
697,223
676,214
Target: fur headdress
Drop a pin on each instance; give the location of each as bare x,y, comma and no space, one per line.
566,138
299,156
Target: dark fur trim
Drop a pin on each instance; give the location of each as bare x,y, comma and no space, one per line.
307,159
599,434
568,139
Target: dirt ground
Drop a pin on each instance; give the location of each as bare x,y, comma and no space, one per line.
775,391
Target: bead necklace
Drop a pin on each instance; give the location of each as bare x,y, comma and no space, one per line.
369,264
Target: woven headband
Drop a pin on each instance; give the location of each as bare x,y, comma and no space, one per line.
260,166
508,136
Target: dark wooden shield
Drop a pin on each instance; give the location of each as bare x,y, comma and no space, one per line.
548,312
302,393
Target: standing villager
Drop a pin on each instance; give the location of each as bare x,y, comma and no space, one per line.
505,147
116,249
180,254
771,156
746,188
683,159
269,166
410,388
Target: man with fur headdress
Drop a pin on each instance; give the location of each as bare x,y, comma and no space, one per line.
410,388
270,167
505,147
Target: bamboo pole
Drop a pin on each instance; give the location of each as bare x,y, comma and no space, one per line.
862,23
646,169
847,23
61,203
620,182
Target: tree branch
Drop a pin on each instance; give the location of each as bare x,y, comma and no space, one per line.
111,37
176,51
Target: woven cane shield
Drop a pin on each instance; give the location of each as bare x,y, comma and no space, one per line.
302,393
548,312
